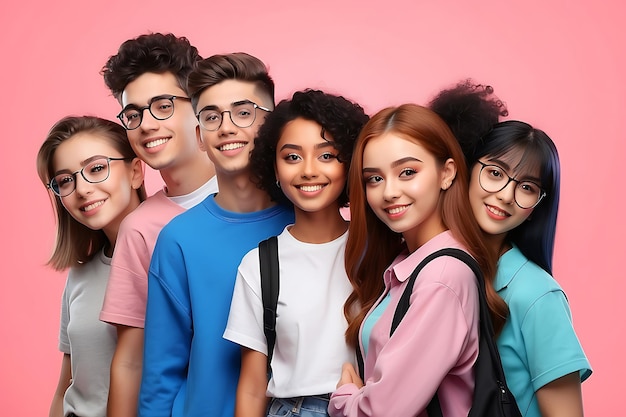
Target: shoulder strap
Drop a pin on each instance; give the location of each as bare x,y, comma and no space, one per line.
434,408
268,259
404,302
359,360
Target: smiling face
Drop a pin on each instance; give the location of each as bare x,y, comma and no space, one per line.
307,167
496,212
403,182
162,144
101,205
229,146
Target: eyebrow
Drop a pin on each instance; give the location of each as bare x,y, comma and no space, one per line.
152,100
507,168
394,164
320,145
233,104
404,161
370,170
499,162
83,164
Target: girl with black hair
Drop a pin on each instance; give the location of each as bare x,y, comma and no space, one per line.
514,194
301,157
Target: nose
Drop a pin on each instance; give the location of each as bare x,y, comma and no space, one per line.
148,122
507,194
391,191
308,168
227,127
83,187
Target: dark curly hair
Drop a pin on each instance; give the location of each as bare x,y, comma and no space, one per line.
477,128
153,52
470,110
341,118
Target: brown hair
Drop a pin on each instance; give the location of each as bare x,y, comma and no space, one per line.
75,242
372,246
236,66
152,52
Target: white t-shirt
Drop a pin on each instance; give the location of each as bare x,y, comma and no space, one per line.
89,341
310,326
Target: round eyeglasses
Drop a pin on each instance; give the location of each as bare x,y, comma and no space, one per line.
492,178
160,107
96,170
241,114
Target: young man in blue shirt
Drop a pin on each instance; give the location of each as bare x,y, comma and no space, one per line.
189,369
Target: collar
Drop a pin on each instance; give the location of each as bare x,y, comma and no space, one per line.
402,267
509,265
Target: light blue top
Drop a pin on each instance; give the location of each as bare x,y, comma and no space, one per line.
538,343
189,369
371,320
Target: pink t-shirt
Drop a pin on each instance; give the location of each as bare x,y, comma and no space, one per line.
127,290
434,347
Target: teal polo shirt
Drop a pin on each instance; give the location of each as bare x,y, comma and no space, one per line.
538,343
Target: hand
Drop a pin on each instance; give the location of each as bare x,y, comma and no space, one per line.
349,376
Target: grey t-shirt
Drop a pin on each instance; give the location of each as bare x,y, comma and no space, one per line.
89,341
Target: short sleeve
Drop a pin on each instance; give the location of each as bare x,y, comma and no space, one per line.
126,294
64,340
245,320
552,347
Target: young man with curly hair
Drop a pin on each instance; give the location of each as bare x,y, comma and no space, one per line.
148,77
189,368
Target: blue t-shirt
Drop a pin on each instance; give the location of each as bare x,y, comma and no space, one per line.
189,369
538,344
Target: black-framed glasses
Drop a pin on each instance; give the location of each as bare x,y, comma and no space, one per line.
160,107
242,115
97,169
527,194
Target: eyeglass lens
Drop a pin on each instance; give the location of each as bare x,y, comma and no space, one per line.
95,171
242,115
493,179
161,109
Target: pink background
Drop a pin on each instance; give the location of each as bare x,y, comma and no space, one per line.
558,65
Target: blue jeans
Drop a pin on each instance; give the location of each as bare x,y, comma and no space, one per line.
313,406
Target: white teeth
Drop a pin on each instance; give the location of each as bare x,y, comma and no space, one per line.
396,210
93,206
497,212
155,143
311,188
231,146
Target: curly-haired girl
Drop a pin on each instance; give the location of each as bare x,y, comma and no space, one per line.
301,156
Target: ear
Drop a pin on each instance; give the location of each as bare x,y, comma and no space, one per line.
276,174
137,173
199,139
448,173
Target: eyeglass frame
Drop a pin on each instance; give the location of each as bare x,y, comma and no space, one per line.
230,114
141,110
542,193
82,174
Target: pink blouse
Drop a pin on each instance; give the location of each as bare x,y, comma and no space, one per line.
433,349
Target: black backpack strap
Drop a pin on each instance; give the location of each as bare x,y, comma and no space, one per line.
405,299
268,260
359,361
434,408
